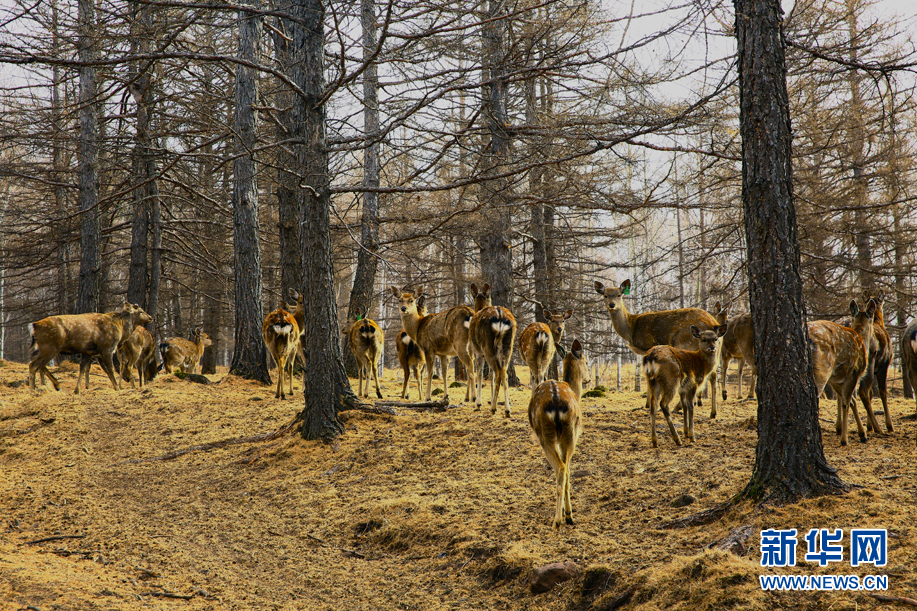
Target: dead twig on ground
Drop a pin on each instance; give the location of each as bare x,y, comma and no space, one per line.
54,538
895,599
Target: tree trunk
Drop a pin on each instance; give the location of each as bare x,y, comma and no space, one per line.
249,359
327,390
88,151
362,293
61,228
789,461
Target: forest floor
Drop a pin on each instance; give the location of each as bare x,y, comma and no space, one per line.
421,510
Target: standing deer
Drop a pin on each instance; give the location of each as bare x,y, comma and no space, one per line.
138,351
281,337
365,339
299,313
909,354
492,332
880,357
179,352
442,334
89,335
739,344
556,419
670,369
410,356
840,356
666,327
536,344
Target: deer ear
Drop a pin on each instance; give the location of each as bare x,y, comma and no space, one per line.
717,306
474,289
599,288
421,300
854,309
721,330
547,314
568,314
695,331
294,295
485,288
577,349
396,292
625,287
418,292
871,308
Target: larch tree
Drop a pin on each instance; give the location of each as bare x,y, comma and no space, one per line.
88,154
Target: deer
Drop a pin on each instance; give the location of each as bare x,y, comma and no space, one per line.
410,356
281,337
536,344
89,335
556,419
443,334
909,354
669,369
179,352
739,344
365,339
138,351
840,357
880,357
665,327
493,331
299,313
720,313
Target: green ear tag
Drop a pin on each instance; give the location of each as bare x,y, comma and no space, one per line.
626,291
359,317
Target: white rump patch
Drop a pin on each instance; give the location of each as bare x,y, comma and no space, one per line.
282,328
650,368
914,344
500,327
541,338
467,322
31,328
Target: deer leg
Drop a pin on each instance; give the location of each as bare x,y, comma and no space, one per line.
375,378
430,358
494,389
725,369
505,378
479,382
664,406
568,505
291,361
865,394
711,384
741,370
105,361
407,380
882,382
444,365
651,405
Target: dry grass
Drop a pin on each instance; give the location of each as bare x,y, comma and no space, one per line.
421,511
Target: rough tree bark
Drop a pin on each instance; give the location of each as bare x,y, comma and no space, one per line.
327,390
88,151
249,359
789,461
363,280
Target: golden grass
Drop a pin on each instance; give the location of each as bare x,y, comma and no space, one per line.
427,511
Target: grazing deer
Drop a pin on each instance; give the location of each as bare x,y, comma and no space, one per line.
536,344
840,356
365,339
410,356
880,357
442,334
89,335
179,352
138,351
555,416
663,328
670,369
492,333
739,344
281,337
909,354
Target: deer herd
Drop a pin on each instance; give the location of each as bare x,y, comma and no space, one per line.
682,351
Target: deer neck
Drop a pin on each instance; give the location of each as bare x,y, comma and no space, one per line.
623,323
573,379
410,321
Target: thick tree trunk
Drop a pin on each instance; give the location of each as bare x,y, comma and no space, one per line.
364,279
789,462
327,390
88,151
249,359
61,228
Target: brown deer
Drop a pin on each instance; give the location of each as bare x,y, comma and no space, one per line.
669,369
665,327
410,356
89,335
281,337
720,313
365,339
840,356
442,334
556,419
909,354
299,313
179,352
739,344
492,332
138,351
536,344
880,357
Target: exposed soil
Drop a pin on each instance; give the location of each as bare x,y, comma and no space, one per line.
423,510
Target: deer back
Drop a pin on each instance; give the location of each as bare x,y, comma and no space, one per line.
366,337
838,352
739,340
493,331
409,353
671,328
536,344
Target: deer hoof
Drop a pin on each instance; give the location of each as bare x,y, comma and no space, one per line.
862,438
569,520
